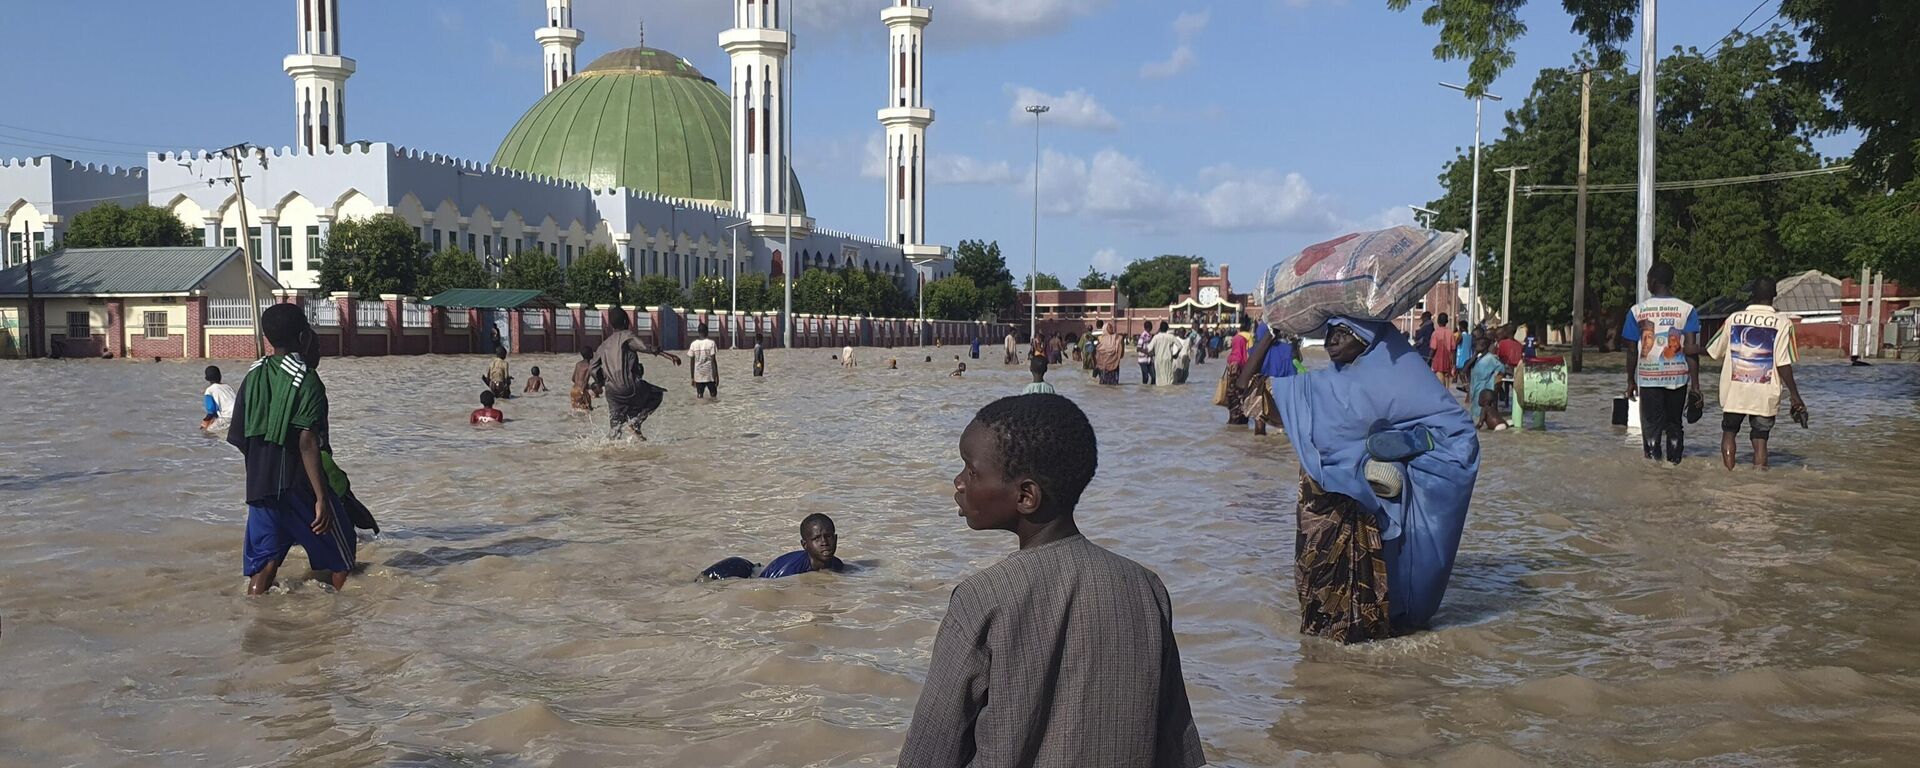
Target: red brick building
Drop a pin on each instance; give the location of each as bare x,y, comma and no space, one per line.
1209,301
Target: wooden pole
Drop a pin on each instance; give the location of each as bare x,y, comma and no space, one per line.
1580,228
246,249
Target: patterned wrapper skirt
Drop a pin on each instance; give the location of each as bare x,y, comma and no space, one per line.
1256,402
1234,395
1339,568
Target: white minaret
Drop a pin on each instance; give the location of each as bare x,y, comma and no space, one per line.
319,75
558,41
758,44
906,118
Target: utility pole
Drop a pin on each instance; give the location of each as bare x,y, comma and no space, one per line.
1649,62
246,248
26,322
1506,276
1033,278
786,172
1580,226
1473,224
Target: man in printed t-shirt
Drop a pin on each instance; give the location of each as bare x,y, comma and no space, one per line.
1758,345
1663,365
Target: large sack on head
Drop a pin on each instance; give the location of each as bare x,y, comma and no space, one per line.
1366,275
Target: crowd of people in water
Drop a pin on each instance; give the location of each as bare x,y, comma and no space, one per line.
1072,644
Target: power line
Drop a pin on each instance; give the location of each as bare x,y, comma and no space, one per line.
72,137
1668,186
49,204
15,141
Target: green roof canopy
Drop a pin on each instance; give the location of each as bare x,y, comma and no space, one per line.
123,272
492,298
639,118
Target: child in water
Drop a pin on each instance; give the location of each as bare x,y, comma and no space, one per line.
1484,379
497,379
535,383
818,543
581,395
486,413
218,400
959,372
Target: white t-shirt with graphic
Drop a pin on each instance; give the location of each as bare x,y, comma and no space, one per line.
702,353
1658,328
1755,342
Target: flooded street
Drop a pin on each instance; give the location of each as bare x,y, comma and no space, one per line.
532,600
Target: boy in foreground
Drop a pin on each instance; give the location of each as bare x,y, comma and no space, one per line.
818,543
278,419
486,413
1073,645
218,400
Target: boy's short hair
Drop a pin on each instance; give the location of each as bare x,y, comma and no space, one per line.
213,374
619,320
282,324
536,370
586,353
1047,438
1443,318
1661,272
486,398
816,519
703,329
1039,365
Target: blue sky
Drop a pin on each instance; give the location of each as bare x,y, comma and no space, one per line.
1239,130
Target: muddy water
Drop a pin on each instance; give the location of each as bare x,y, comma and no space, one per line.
531,601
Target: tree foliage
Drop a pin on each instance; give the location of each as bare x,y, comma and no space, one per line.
953,298
1859,55
981,262
372,256
657,291
453,268
1095,280
1726,116
710,292
1159,281
597,276
534,270
1047,282
143,226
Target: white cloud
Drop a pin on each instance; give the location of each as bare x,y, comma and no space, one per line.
1114,187
942,167
677,24
1186,27
1073,109
1108,260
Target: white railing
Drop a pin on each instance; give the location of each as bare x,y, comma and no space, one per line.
370,314
414,314
563,321
457,318
232,313
593,320
533,321
323,313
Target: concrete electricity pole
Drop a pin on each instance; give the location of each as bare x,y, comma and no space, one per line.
1033,278
1580,226
1506,276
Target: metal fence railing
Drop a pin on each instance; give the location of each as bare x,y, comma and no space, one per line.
370,314
563,321
232,313
533,321
324,313
457,319
414,314
593,320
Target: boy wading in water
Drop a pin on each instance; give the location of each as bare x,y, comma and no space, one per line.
1758,346
1071,644
279,416
617,373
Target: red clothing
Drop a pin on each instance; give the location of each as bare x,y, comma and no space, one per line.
1445,343
486,416
1237,349
1510,352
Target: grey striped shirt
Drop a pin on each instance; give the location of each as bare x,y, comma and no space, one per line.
1060,655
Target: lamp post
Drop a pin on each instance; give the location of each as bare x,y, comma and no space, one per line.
1033,299
1473,224
733,281
31,328
786,174
1506,269
1649,63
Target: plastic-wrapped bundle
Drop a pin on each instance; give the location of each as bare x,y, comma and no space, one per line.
1365,275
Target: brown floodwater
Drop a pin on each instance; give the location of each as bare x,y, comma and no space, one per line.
531,601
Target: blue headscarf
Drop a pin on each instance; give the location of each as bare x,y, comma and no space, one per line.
1330,413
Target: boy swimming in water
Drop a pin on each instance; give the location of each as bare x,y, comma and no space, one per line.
218,400
581,395
1072,644
534,382
818,543
959,372
486,413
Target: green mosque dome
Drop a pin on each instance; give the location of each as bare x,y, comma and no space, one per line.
640,118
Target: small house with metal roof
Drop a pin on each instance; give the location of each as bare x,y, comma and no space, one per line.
127,302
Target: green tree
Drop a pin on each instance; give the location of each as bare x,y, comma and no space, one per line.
372,256
534,270
953,298
657,291
1731,115
711,292
143,226
597,276
453,268
1858,54
981,262
759,293
1046,281
1095,280
1159,281
818,291
1879,231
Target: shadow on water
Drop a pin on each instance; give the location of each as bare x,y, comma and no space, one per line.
1488,585
56,478
436,557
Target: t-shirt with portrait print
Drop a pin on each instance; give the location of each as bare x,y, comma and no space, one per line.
1658,328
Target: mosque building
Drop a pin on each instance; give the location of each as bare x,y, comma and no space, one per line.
637,151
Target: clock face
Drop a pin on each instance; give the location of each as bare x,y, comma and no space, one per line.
1209,295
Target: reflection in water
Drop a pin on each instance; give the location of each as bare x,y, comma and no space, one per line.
532,601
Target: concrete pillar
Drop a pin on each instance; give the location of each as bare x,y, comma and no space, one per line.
196,327
396,323
212,224
269,254
344,302
546,324
513,331
117,327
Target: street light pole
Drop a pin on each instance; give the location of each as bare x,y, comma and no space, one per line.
786,178
1649,62
1033,278
1506,271
1580,228
733,281
1473,224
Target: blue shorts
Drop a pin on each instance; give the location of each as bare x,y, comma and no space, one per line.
273,529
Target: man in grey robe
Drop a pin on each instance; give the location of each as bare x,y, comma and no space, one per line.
616,366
